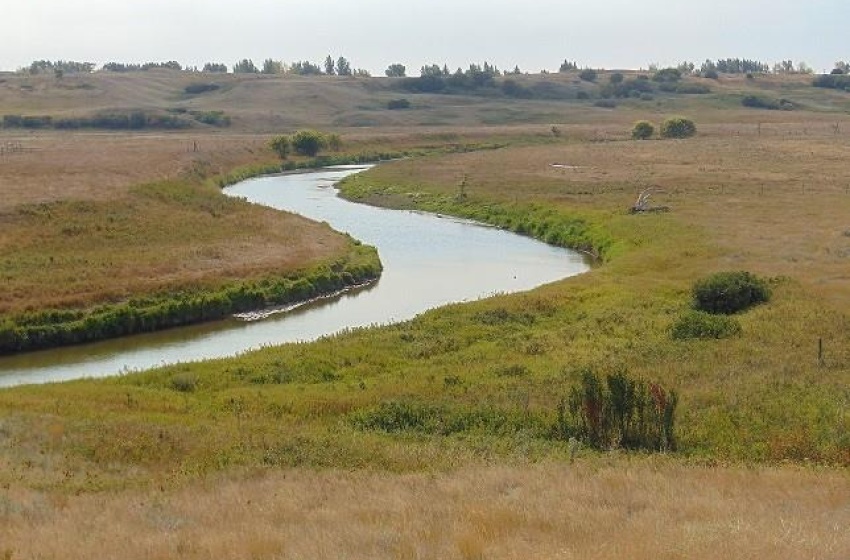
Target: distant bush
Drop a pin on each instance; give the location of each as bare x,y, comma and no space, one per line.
760,102
643,130
832,81
633,87
667,75
606,104
711,74
582,95
512,88
110,120
194,89
730,292
308,142
588,75
698,324
281,146
395,104
616,78
678,127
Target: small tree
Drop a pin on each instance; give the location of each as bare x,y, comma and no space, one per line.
343,67
216,67
245,66
616,78
281,146
308,142
678,127
643,130
396,71
271,66
330,65
567,65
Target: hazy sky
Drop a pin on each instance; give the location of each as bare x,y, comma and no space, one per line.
534,34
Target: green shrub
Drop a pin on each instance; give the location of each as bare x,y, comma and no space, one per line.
667,75
281,146
729,292
678,127
643,130
698,324
588,75
396,104
760,102
197,88
308,142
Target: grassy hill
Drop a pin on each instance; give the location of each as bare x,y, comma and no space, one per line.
260,103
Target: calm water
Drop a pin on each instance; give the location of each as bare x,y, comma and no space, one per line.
428,261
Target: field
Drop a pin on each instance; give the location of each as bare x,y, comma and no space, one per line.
435,437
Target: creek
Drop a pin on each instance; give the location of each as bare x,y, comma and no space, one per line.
429,261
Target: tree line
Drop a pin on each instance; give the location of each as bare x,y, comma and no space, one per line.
341,66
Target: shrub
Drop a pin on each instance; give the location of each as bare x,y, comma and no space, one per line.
588,75
711,74
195,89
759,102
667,75
621,412
606,104
678,127
643,130
698,324
308,142
395,104
281,146
616,78
729,292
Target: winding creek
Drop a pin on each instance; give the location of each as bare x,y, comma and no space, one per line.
428,261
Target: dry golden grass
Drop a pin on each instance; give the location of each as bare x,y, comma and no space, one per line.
602,508
775,203
78,229
102,166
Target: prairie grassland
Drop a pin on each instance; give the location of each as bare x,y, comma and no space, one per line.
154,454
596,508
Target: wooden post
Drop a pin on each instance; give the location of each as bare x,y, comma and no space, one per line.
820,351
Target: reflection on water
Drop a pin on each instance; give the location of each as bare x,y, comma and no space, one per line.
428,261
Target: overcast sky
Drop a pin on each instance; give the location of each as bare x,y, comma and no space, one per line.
534,34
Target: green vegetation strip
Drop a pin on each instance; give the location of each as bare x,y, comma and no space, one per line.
51,328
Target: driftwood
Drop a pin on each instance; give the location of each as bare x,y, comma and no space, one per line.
641,206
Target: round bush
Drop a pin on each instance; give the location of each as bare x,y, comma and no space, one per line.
643,130
678,127
697,324
729,292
